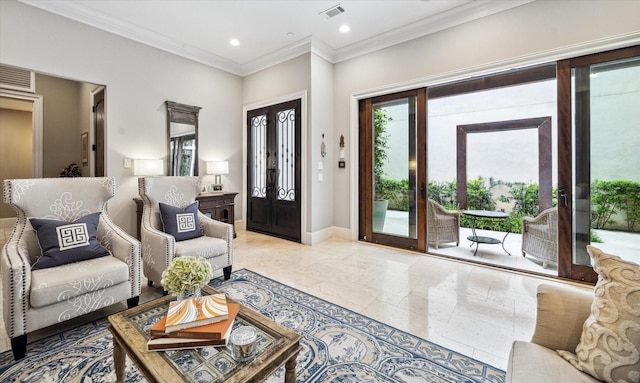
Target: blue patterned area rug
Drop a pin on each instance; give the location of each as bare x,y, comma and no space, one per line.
338,345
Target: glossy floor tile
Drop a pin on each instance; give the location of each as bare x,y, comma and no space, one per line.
472,309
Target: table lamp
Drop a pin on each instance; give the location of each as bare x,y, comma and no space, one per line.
217,168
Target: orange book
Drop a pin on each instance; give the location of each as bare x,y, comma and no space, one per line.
195,312
165,344
215,331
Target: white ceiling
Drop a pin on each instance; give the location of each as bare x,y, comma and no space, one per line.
271,31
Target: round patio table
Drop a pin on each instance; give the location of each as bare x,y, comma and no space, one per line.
475,214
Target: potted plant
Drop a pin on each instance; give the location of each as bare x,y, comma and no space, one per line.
186,275
380,156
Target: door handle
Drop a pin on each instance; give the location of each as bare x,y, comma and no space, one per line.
271,178
562,198
422,190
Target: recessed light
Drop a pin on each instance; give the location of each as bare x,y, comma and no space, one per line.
345,28
290,34
234,42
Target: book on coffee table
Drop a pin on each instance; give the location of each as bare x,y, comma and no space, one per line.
209,331
166,344
195,312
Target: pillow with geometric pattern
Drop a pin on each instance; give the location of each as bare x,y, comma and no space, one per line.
182,223
65,242
609,348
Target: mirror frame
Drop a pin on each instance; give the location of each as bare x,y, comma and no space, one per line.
182,114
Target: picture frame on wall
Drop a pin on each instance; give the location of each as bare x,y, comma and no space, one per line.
84,148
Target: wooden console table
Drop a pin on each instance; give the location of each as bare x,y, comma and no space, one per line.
220,207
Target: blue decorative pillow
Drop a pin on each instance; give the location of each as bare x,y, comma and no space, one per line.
181,223
64,242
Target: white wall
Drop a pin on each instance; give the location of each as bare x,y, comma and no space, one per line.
536,32
139,79
321,192
506,156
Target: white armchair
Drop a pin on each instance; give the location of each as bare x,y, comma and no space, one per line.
34,299
159,248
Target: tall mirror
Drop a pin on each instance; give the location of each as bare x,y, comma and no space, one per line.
182,121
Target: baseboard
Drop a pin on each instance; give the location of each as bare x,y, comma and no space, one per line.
342,233
316,237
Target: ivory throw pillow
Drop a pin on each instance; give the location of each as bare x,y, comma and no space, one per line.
609,347
65,242
182,223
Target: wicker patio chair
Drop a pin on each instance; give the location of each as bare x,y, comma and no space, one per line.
443,224
540,236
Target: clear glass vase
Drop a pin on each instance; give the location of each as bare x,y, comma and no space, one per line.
188,294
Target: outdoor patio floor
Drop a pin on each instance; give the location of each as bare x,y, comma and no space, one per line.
623,244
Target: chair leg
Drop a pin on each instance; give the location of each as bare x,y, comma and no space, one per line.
133,302
19,346
227,272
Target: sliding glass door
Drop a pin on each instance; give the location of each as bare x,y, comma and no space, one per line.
554,145
599,197
392,210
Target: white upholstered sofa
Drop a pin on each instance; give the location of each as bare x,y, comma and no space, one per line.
585,336
560,317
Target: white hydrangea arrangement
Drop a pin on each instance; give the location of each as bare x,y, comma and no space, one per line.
186,274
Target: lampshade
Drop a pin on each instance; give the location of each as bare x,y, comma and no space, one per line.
218,167
148,167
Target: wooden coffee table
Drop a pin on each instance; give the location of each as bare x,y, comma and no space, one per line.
276,346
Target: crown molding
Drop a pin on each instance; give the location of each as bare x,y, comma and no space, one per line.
85,15
468,12
460,15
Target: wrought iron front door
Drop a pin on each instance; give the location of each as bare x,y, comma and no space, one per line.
273,195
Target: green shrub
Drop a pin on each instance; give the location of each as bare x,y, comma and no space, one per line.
444,193
594,237
396,192
380,147
610,197
479,195
607,199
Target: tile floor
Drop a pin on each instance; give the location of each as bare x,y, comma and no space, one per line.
472,309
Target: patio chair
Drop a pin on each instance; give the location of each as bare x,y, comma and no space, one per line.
443,224
65,257
200,237
540,236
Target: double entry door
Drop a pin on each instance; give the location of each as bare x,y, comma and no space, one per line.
273,194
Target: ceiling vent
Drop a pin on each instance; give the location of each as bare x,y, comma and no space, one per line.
17,79
333,11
